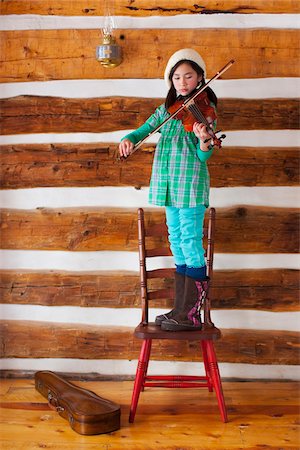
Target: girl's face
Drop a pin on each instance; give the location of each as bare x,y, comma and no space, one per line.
185,79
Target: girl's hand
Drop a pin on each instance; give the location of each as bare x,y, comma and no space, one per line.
200,130
125,147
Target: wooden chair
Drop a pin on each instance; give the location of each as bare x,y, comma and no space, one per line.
152,243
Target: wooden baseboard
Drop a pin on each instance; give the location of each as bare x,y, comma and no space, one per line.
92,376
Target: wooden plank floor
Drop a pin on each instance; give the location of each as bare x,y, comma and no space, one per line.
262,415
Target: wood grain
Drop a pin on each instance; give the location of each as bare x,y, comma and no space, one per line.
89,165
241,229
140,8
30,339
262,414
34,114
259,289
31,55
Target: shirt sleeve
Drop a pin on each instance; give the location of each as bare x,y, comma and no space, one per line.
151,123
139,134
204,156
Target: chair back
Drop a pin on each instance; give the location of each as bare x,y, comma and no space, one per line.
157,285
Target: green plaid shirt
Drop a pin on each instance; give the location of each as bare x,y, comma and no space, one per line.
179,178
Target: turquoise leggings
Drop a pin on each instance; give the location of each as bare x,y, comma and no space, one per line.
185,227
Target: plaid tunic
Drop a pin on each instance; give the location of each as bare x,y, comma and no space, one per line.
178,177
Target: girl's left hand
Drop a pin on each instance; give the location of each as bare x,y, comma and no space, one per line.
200,130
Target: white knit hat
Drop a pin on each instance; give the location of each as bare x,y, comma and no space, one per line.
185,53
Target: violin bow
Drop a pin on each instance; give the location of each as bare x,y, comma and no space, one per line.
185,104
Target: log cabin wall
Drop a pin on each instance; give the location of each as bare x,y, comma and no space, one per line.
69,265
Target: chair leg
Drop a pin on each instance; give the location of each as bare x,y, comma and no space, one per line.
206,366
147,358
216,379
140,376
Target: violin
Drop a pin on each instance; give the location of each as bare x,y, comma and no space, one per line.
196,112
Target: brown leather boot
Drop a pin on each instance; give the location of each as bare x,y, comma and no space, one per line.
178,301
189,318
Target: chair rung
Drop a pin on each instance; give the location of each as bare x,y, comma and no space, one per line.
176,384
176,381
161,251
175,377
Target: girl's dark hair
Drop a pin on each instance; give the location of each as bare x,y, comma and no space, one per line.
172,95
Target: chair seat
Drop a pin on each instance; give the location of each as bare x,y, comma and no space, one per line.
152,331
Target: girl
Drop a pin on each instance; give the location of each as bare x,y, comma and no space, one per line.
180,182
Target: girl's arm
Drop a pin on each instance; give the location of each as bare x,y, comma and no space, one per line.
205,149
140,133
128,142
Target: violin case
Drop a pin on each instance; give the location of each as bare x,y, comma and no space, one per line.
86,412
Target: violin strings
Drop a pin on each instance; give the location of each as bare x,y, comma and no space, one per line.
198,114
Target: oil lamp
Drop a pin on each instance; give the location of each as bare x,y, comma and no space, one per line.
108,53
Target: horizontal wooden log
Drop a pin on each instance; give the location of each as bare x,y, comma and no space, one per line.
241,229
30,55
261,289
89,289
34,114
60,165
29,339
141,8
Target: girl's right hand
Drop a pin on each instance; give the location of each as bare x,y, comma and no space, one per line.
125,147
